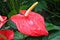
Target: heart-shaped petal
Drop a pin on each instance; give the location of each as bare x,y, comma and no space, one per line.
32,25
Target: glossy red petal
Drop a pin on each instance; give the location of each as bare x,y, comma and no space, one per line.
7,33
4,21
33,25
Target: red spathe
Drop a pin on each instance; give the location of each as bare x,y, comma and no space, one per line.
7,33
32,25
4,21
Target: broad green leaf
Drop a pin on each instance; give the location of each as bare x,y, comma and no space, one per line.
19,36
12,13
54,36
50,26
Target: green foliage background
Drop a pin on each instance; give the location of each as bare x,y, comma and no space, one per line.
50,9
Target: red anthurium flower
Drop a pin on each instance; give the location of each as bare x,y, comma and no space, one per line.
32,25
2,20
6,34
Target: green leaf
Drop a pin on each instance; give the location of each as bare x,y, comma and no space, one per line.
36,38
56,0
12,13
50,26
33,38
45,38
41,6
54,36
24,7
11,24
19,36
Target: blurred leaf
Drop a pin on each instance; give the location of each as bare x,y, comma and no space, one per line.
17,5
11,24
54,36
33,38
24,7
56,0
50,26
36,38
28,2
41,6
19,36
12,13
45,38
12,6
